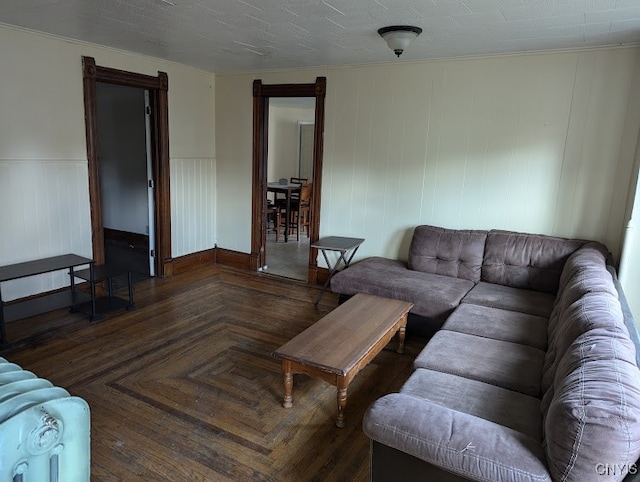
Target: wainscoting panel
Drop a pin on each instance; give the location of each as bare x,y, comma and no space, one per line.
44,211
193,205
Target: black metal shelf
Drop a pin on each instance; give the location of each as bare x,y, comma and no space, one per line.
105,304
41,304
40,266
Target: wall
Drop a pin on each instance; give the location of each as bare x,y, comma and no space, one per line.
282,158
629,272
44,195
537,143
532,143
307,133
234,143
630,260
123,158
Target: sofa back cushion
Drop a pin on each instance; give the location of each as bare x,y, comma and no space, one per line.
529,261
447,252
592,255
594,414
591,383
587,299
593,311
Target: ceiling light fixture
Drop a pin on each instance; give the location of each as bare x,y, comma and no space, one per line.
399,37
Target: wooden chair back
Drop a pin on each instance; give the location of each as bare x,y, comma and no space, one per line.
305,193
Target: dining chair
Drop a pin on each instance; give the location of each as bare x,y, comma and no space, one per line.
280,199
304,210
273,219
300,214
297,180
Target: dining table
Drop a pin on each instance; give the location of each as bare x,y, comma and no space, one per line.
287,189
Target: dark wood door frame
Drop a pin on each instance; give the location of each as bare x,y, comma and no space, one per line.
261,95
158,88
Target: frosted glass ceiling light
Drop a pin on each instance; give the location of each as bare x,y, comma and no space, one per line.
399,37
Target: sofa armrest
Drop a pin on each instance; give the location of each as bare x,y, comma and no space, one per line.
455,441
629,321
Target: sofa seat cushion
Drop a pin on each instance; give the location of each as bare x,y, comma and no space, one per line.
449,252
513,299
501,363
505,407
433,296
498,324
469,446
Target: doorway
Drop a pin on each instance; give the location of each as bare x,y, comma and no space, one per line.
125,168
157,88
262,94
289,158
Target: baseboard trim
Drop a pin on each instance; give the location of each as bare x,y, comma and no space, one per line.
317,276
167,266
245,261
235,259
322,274
193,260
134,239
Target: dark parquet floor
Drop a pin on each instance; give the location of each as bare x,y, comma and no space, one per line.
184,386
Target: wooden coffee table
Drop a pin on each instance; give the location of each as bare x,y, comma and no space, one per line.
342,343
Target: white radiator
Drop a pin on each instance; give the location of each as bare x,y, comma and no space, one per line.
44,432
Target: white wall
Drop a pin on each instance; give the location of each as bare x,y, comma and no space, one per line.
532,143
630,259
234,143
234,138
282,158
537,143
44,196
307,133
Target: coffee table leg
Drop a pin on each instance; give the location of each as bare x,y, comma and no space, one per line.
288,384
342,401
401,333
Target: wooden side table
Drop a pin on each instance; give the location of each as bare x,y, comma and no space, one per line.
341,245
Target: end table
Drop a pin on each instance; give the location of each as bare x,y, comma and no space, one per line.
341,245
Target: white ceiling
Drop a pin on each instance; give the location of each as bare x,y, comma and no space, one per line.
249,35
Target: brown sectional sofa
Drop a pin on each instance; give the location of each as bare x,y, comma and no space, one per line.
533,375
